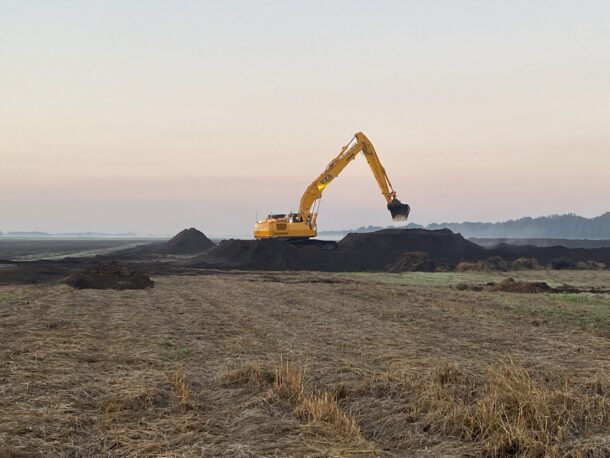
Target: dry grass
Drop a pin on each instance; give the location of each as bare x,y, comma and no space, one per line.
181,390
250,374
502,411
509,412
322,409
319,409
130,399
287,382
520,415
373,365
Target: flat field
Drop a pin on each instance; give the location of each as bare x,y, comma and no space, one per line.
34,248
306,364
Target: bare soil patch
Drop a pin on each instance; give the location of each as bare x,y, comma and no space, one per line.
110,276
34,272
37,248
510,285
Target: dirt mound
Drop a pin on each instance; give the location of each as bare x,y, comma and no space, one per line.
376,251
35,272
187,241
478,266
441,245
271,254
524,264
590,265
512,286
413,261
557,257
382,251
109,276
495,263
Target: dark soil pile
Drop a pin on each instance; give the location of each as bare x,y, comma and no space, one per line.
495,263
378,251
109,276
512,286
557,257
441,245
413,261
384,251
590,265
188,241
271,254
35,272
524,264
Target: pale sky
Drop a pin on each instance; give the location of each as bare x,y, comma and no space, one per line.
154,116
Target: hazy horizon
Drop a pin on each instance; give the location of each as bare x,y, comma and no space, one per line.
247,234
152,117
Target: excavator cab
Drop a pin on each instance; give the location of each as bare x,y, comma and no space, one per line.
398,210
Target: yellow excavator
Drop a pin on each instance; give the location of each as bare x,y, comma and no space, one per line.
303,224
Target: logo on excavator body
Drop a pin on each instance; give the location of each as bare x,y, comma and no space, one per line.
324,182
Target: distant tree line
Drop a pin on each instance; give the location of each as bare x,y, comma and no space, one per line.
568,226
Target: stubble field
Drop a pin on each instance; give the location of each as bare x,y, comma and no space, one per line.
306,364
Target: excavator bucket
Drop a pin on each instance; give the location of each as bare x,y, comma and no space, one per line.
398,210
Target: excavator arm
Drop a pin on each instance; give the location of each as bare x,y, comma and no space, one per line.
303,224
358,144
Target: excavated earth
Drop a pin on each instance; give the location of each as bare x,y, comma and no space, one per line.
376,251
510,285
109,276
188,241
393,250
389,250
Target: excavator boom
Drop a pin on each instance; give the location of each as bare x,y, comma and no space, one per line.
304,223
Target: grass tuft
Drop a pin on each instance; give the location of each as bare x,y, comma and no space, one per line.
510,412
322,409
181,390
288,382
318,409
